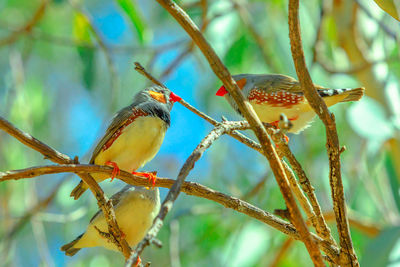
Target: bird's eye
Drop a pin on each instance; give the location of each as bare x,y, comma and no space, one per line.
158,96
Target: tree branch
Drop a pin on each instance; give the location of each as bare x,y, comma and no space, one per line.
348,255
174,191
246,109
104,204
190,188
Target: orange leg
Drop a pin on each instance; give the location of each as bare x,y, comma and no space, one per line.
115,171
138,261
152,176
286,138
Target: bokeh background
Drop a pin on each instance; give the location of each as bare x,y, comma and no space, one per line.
67,66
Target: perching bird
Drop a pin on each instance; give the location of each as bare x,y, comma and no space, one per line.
273,94
134,135
135,209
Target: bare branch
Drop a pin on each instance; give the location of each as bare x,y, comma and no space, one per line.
347,251
190,188
176,187
104,204
37,16
246,109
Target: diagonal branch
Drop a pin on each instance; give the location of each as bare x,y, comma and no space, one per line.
173,193
246,109
27,28
190,188
102,201
347,251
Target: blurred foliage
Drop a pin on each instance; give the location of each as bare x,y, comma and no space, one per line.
57,86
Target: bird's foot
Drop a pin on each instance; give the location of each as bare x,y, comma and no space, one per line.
152,176
138,261
286,138
115,171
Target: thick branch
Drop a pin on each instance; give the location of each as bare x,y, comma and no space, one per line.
176,187
104,204
190,188
246,109
348,255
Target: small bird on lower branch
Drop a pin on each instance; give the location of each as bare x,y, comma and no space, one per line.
135,209
134,135
274,94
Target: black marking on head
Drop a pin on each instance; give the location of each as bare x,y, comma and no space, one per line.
156,110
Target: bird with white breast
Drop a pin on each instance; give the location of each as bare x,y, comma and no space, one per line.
274,94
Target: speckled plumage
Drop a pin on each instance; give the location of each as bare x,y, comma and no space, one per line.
274,94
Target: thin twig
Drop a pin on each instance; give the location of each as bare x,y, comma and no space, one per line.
190,188
176,187
235,134
37,16
246,109
316,216
348,255
55,156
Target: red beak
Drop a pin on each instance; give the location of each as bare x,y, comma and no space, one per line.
174,98
221,91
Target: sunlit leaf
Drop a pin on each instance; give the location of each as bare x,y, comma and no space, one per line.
130,9
82,33
390,6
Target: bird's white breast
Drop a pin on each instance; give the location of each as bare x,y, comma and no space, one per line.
299,114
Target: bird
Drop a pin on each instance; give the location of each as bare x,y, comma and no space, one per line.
135,209
274,94
134,136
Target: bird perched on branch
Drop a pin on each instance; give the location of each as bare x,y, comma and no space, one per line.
135,209
134,135
274,94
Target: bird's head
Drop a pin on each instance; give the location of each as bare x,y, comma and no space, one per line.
240,81
157,95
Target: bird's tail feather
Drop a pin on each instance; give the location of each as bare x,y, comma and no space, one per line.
354,94
69,248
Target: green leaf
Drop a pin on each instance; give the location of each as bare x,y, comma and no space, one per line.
378,250
394,183
236,52
81,30
133,13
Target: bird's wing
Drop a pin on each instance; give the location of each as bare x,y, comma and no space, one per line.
280,83
115,199
118,120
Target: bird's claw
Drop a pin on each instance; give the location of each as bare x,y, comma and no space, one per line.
138,261
116,170
151,176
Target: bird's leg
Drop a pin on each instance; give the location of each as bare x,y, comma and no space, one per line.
138,261
152,176
115,171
